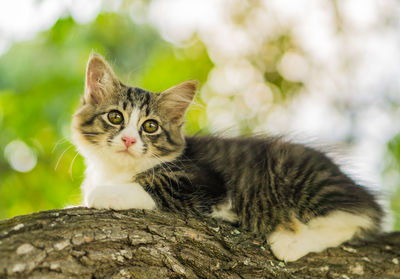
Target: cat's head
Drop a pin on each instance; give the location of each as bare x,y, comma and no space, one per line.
128,126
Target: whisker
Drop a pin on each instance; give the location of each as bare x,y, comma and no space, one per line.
173,174
170,171
71,165
152,180
173,164
60,141
62,154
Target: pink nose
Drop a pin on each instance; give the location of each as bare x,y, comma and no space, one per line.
128,141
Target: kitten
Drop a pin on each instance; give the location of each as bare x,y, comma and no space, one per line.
137,157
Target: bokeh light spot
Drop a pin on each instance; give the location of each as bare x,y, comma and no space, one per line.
20,156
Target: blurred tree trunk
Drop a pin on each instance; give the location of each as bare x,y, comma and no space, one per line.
88,243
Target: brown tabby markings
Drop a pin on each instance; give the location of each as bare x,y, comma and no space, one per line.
282,190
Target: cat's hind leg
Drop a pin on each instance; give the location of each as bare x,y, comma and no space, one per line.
294,240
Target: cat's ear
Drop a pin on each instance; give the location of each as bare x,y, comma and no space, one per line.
101,81
175,100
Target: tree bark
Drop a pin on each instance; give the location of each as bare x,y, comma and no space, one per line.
88,243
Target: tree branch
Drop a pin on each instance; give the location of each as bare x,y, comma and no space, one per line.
89,243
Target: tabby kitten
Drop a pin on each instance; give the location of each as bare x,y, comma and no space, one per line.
137,157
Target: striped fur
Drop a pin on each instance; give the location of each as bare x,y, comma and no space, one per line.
290,193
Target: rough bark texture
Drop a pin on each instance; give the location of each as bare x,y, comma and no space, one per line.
88,243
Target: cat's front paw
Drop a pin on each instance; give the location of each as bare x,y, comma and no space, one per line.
119,197
97,199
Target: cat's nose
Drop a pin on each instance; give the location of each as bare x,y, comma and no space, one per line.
128,141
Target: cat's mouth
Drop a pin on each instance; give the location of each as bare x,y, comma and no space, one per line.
127,152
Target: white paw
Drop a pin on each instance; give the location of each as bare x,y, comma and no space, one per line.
103,199
122,196
288,252
287,247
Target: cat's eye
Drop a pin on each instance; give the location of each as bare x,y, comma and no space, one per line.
115,117
150,126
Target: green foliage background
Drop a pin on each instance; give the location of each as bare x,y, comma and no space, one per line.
41,82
